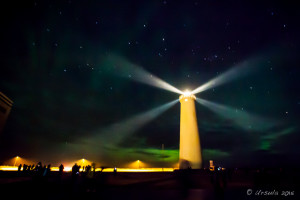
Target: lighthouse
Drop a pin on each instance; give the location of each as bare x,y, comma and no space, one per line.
190,155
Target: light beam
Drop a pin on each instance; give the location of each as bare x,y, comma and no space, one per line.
134,72
238,71
241,118
104,142
118,131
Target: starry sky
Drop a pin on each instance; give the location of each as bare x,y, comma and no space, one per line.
69,67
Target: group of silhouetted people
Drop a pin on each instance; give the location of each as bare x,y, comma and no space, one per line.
38,169
85,169
43,170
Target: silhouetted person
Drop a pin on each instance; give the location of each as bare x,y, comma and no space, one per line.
93,168
89,179
88,169
24,168
43,170
74,178
39,169
75,170
46,170
61,169
19,168
115,171
185,164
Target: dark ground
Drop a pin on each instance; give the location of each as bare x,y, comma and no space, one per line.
193,184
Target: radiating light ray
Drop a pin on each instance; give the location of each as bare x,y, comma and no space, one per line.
238,71
136,73
118,131
241,118
104,142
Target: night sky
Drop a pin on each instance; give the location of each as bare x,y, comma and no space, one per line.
70,69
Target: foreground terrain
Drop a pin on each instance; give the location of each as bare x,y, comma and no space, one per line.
188,184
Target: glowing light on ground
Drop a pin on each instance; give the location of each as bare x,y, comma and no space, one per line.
240,70
8,168
69,169
16,161
241,118
140,170
66,169
83,162
137,165
136,73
